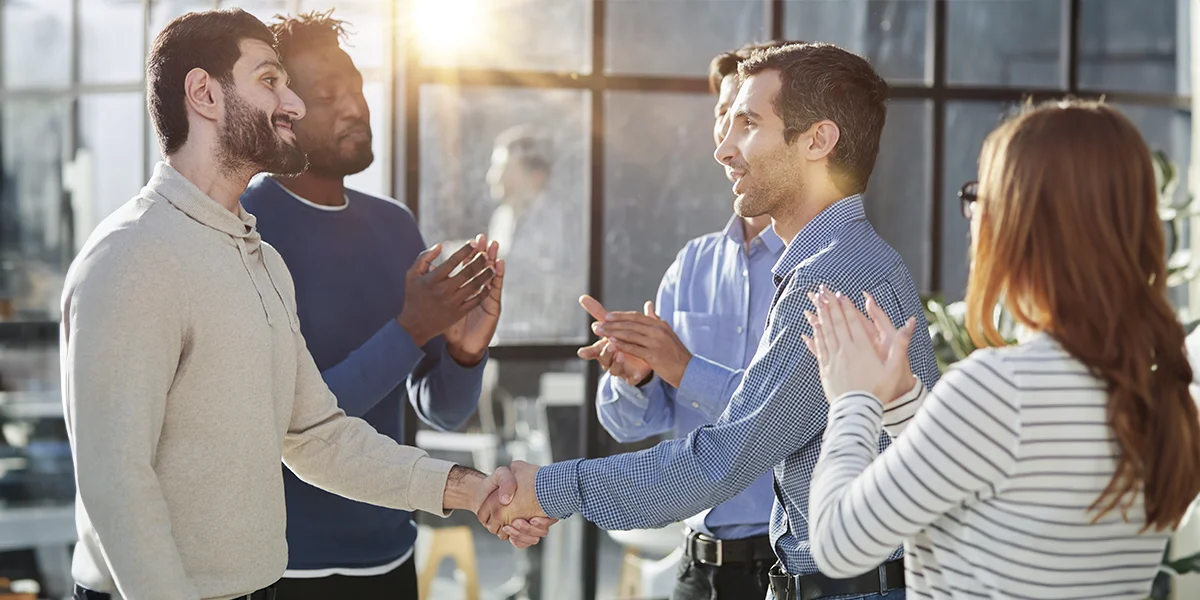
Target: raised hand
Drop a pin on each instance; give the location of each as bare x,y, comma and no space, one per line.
467,340
618,364
646,337
845,344
434,300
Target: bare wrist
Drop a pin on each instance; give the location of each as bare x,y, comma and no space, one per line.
462,486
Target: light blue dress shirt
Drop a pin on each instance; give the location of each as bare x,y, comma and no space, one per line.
777,414
716,296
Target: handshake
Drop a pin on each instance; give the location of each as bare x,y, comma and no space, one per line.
505,502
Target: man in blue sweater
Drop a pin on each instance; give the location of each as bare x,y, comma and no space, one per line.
378,327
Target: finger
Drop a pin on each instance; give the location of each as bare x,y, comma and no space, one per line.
832,320
591,352
476,286
506,484
819,335
899,348
607,354
527,528
628,316
633,349
637,337
493,251
880,319
519,539
477,265
443,271
811,345
649,309
424,259
615,327
855,321
593,307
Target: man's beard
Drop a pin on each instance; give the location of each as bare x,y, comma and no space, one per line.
326,158
248,140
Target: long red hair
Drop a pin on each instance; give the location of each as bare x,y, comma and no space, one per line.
1070,241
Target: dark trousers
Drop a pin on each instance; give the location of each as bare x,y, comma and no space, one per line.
746,581
399,584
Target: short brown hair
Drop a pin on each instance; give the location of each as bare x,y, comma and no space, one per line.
206,40
726,63
822,81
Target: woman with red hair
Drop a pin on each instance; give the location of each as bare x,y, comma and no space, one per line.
1055,468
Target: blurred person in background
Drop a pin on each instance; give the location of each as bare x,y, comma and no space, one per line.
1054,468
541,238
697,339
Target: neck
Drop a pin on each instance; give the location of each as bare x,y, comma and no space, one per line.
198,163
793,216
752,226
318,189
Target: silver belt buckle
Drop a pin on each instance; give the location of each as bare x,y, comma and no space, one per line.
720,553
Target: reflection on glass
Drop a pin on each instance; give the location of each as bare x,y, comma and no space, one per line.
367,22
374,180
1135,46
653,206
35,245
532,35
37,43
108,169
163,12
889,33
653,37
899,199
967,124
1011,43
111,37
512,162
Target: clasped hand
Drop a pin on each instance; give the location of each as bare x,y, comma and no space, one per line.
512,511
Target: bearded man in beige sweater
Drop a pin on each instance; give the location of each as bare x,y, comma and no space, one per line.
185,376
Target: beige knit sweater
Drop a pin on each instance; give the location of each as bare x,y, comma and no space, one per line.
185,380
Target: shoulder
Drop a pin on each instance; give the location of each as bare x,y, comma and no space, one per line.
131,248
381,207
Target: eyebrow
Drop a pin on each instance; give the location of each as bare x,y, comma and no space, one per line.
273,64
746,113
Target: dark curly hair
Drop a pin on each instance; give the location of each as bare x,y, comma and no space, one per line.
306,31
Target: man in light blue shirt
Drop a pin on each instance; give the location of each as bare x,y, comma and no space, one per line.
712,307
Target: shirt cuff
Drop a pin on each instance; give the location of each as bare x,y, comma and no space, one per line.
557,489
427,485
905,407
703,380
397,338
863,403
632,393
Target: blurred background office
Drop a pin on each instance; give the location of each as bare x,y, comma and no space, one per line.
580,132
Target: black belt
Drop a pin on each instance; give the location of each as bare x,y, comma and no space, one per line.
82,593
889,576
708,550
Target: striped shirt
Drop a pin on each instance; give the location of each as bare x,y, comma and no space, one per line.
988,486
776,415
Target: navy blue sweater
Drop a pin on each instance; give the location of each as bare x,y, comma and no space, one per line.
349,265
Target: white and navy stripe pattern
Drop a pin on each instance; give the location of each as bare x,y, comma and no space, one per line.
988,487
775,417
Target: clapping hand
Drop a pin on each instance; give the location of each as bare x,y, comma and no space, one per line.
467,340
855,353
617,363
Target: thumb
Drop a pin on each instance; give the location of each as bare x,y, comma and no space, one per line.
424,260
649,309
898,353
506,484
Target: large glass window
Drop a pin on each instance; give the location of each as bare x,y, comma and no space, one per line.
579,134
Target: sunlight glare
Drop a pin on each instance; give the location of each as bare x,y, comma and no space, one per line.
446,26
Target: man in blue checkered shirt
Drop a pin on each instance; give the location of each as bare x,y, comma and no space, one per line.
801,148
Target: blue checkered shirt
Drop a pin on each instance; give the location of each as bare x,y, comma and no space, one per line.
777,415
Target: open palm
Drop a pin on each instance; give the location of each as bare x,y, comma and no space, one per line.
469,338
